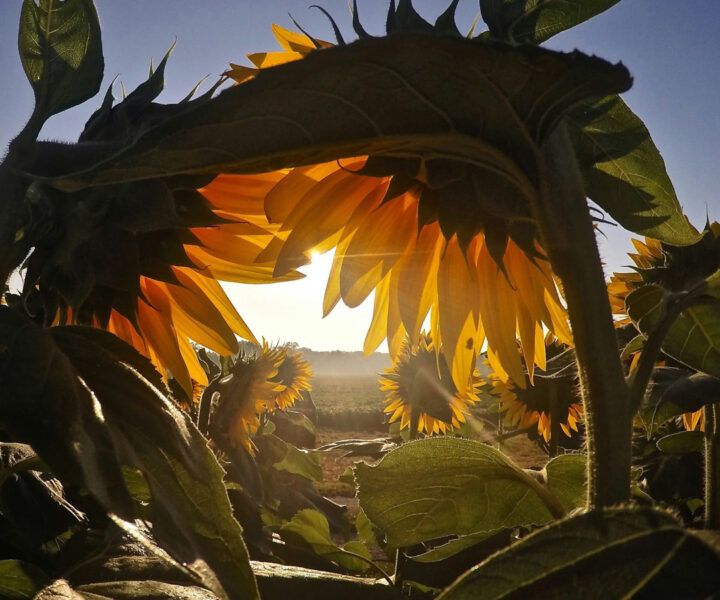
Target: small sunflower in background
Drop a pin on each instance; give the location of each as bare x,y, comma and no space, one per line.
675,269
294,374
550,394
419,388
260,382
427,236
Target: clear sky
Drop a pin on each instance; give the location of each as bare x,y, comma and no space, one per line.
670,47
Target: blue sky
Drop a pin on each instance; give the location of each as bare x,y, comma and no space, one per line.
671,48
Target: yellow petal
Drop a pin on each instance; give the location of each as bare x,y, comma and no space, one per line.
378,326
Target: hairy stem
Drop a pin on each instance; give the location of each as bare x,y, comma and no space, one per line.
712,466
568,237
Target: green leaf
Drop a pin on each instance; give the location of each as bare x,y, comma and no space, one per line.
693,338
144,590
618,553
682,442
453,547
191,512
286,457
375,96
624,172
20,580
693,392
534,21
44,402
444,486
566,478
310,529
61,52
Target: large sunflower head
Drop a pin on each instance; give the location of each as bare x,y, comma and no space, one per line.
430,236
142,259
552,395
676,268
419,388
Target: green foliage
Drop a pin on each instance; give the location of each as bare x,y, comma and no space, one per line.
61,52
693,337
20,580
534,21
682,442
565,476
624,172
286,457
444,486
616,553
309,528
190,508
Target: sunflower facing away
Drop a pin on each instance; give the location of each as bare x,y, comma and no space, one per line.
557,390
427,236
676,269
143,259
419,386
263,380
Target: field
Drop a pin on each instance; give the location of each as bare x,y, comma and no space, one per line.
351,407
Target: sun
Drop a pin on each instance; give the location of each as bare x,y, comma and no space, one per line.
314,255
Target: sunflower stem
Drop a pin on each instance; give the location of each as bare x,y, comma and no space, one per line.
568,237
712,466
554,419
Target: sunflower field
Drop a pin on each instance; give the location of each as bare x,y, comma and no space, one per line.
151,446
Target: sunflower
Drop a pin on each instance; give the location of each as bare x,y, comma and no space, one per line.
143,259
428,237
420,387
676,269
554,390
293,374
249,390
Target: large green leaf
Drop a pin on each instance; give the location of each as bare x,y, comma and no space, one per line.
618,553
390,95
624,172
693,338
61,52
20,580
447,486
534,21
191,512
43,402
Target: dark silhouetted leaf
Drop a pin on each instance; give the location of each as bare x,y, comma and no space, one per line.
618,553
61,52
682,442
20,580
375,96
534,21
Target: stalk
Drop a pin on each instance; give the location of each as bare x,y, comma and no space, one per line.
568,237
712,466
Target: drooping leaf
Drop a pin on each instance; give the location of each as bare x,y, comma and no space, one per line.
374,96
444,486
286,457
682,442
453,547
191,511
534,21
144,590
310,528
46,404
624,172
20,580
617,553
61,52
